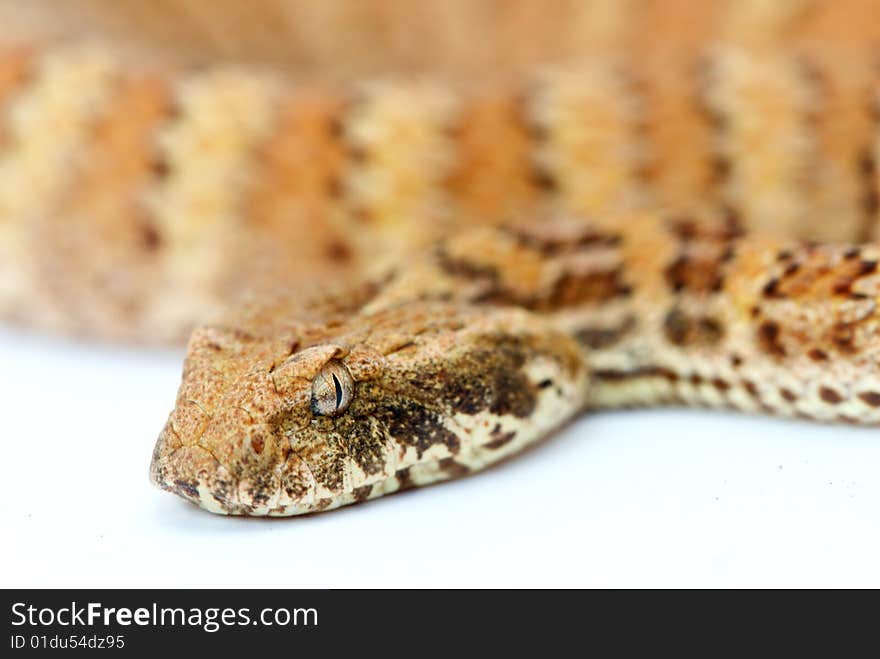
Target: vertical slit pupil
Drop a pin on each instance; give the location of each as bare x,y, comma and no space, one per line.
338,385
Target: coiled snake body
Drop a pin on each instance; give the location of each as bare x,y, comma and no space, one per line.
497,260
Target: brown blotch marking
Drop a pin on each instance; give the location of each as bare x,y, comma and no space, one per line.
258,442
323,504
867,267
569,290
262,485
335,124
736,361
721,167
842,337
614,375
339,251
576,289
500,439
294,486
336,121
160,167
488,377
770,289
768,339
223,492
327,457
459,267
452,468
710,329
720,384
787,394
751,388
363,444
683,330
551,245
454,130
362,493
410,423
404,480
694,275
684,228
818,355
688,229
843,285
871,398
150,238
605,337
187,489
829,395
543,179
536,131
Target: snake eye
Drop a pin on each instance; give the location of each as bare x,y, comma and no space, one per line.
332,389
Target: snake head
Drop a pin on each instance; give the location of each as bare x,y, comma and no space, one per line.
312,416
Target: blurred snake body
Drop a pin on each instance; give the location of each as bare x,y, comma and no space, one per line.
405,281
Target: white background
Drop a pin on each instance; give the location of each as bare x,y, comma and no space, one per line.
648,498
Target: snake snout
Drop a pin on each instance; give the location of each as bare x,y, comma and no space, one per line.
248,472
191,472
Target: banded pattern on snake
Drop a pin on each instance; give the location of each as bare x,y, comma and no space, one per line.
495,337
413,279
207,186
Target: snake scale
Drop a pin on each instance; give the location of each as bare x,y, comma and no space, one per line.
405,280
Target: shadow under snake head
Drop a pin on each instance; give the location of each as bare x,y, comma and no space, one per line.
314,416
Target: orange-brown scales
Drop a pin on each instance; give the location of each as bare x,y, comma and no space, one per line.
136,201
468,352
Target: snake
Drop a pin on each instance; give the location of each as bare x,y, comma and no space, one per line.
403,280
